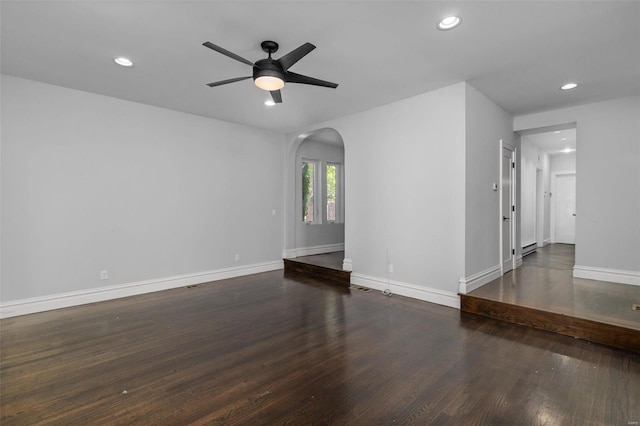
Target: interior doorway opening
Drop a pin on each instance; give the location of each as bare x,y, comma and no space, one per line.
547,159
315,222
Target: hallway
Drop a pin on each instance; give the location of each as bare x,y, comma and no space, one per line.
543,294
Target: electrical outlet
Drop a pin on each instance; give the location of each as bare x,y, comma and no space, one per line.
237,257
104,275
390,268
273,212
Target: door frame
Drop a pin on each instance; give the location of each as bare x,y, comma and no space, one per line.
554,182
510,147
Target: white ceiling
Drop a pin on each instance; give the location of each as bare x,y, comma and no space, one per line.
517,53
553,142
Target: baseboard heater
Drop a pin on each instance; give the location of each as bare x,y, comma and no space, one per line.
528,249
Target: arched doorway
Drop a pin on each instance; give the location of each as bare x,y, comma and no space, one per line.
315,196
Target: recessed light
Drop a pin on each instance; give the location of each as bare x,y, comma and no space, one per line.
556,132
567,150
569,86
563,139
448,22
122,61
269,102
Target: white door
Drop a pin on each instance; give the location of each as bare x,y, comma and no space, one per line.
565,200
506,209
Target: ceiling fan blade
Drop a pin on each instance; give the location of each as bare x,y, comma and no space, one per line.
227,53
231,80
292,77
295,55
277,96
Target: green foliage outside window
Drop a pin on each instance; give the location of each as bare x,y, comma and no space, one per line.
331,192
307,192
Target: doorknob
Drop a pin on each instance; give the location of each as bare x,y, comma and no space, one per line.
505,218
574,214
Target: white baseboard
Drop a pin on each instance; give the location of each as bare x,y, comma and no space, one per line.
427,294
100,294
310,251
518,261
605,274
468,284
288,253
347,265
545,242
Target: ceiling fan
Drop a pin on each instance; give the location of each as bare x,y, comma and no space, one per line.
272,74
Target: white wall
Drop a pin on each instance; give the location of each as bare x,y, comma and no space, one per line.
93,183
419,191
321,234
528,162
533,158
486,125
608,186
565,162
405,194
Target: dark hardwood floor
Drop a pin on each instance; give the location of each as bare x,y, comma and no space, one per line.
269,349
327,267
553,256
542,293
331,260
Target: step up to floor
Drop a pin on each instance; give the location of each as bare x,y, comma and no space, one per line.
585,329
332,276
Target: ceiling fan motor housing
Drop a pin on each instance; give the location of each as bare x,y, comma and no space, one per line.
268,67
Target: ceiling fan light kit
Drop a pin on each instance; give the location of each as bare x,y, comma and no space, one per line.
272,74
267,73
268,82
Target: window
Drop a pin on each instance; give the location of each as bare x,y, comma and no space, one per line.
332,192
321,192
308,193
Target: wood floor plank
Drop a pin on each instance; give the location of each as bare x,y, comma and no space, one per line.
274,349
